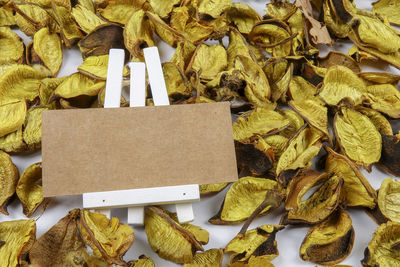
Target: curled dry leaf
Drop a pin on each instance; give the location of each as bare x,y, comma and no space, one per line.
175,81
69,31
380,77
62,246
7,17
138,33
47,46
11,45
119,11
32,133
243,17
356,190
381,123
8,179
389,199
358,137
210,258
164,31
86,19
211,189
13,142
143,261
210,60
260,121
213,8
29,188
334,58
96,67
340,82
319,205
299,151
384,98
256,243
244,196
296,122
47,87
168,238
18,237
330,241
383,248
12,116
18,83
388,8
108,238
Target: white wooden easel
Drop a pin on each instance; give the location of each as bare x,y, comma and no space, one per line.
135,199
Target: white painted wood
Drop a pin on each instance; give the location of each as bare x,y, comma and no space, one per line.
137,97
136,215
184,212
142,197
156,76
106,212
114,78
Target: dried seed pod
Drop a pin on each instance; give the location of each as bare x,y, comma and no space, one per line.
108,238
77,85
340,82
384,98
143,261
258,156
260,121
356,190
86,19
358,137
210,258
330,241
299,151
380,122
33,128
168,238
8,179
257,89
99,41
383,248
390,151
62,246
209,59
138,33
96,67
243,17
18,83
12,116
18,237
48,48
388,199
256,243
29,188
313,112
243,198
11,45
212,189
388,8
319,205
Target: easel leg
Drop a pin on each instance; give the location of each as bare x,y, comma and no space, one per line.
136,215
106,212
184,212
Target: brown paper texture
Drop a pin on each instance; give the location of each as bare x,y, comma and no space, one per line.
92,150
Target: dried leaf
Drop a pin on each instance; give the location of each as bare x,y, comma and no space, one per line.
381,123
384,98
388,8
214,8
11,45
8,179
12,116
243,17
78,85
120,11
210,258
389,200
33,128
210,60
96,67
86,19
334,58
143,261
29,188
13,142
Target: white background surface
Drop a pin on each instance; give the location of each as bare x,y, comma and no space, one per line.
289,239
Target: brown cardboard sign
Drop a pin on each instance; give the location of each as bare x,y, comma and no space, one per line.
93,150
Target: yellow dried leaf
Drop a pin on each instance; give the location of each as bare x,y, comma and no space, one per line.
182,55
356,190
214,8
243,198
86,19
333,22
6,16
296,122
8,179
5,65
358,137
77,85
301,89
175,81
210,60
388,8
47,87
18,83
70,32
143,261
209,258
381,123
30,18
164,31
329,242
255,243
384,98
96,67
389,199
11,45
108,238
380,77
29,188
260,121
211,189
13,142
313,112
33,128
48,47
383,248
120,11
237,46
12,116
339,83
243,17
163,8
138,33
168,238
18,237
